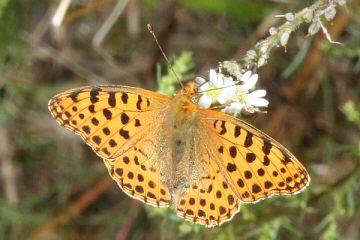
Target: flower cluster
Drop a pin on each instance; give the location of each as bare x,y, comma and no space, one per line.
314,15
235,96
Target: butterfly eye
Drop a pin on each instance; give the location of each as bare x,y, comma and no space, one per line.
194,99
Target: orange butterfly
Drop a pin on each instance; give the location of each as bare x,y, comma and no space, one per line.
164,151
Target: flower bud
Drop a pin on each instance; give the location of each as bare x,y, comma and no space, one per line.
314,27
261,61
289,16
341,2
251,54
264,48
308,15
273,31
330,13
284,38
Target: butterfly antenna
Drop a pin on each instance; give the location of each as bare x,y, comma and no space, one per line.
151,30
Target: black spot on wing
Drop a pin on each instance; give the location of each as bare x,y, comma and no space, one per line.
119,171
222,210
92,108
107,114
151,195
245,194
237,131
230,199
106,151
96,139
231,167
215,122
286,159
124,133
86,129
112,143
267,146
93,95
189,212
138,103
124,97
240,182
266,161
232,151
106,131
126,160
139,189
247,174
248,140
112,99
137,123
74,95
256,188
124,118
95,121
201,213
221,149
223,128
268,184
261,172
250,157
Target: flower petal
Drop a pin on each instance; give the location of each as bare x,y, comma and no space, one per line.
257,102
199,81
245,76
234,108
257,93
204,87
221,99
251,82
212,76
205,101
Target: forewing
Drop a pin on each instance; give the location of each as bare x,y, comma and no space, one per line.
254,164
110,119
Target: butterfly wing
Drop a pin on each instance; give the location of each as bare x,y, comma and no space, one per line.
124,126
254,165
138,175
110,119
211,201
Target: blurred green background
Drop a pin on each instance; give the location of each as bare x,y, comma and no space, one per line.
54,187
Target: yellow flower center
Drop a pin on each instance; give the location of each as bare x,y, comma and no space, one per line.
240,95
213,92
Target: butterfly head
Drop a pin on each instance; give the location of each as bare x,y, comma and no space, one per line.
190,91
185,104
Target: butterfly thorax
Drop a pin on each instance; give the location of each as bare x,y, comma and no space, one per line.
184,106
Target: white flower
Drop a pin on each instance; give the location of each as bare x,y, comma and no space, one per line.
235,95
243,99
214,90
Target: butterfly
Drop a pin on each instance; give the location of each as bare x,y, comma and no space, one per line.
164,151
